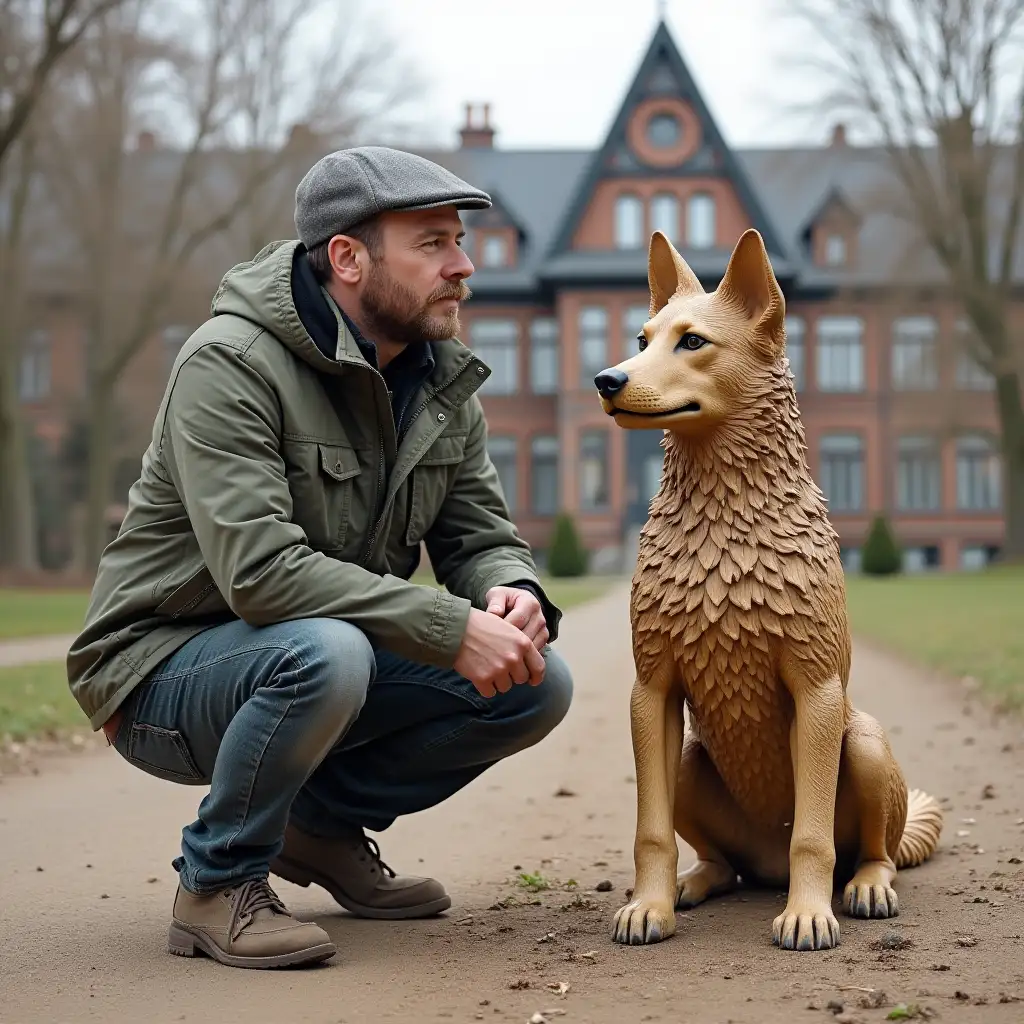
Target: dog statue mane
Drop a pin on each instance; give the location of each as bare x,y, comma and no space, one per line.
738,615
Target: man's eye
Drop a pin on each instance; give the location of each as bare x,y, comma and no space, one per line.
641,342
691,342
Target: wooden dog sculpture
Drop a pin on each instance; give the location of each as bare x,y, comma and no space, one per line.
738,614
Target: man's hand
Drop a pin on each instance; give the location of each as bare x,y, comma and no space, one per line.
521,609
496,655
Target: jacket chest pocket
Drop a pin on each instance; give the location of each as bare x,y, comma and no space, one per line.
323,479
432,478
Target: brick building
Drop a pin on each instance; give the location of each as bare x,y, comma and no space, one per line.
898,418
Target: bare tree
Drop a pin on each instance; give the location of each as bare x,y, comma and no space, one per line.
227,83
940,85
34,36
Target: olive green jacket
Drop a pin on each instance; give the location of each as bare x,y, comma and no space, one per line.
274,488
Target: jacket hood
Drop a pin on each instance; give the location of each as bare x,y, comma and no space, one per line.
261,291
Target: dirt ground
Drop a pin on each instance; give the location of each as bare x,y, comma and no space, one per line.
86,888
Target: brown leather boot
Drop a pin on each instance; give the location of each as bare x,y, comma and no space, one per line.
244,926
351,870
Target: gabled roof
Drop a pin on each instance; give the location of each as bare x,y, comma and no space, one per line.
664,72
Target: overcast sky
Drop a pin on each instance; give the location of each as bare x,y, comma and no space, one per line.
555,71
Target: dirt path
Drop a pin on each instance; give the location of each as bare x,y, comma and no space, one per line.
86,888
33,649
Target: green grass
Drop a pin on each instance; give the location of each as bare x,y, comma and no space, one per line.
962,624
35,700
30,612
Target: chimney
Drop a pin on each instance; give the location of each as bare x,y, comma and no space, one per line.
145,142
839,136
480,135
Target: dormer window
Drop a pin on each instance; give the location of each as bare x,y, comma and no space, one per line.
835,250
494,251
629,222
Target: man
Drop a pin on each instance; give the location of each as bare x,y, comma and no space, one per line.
252,626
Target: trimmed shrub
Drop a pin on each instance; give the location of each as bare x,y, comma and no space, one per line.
566,555
881,555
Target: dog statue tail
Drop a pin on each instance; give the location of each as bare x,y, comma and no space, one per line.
921,832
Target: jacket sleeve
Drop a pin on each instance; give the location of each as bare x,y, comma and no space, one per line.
221,450
473,544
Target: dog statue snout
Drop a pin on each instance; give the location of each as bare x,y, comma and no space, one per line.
610,382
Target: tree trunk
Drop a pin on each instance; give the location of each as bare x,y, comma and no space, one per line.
1011,418
101,475
18,547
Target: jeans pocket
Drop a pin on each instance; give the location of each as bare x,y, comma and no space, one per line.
163,753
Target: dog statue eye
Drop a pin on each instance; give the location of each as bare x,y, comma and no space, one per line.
641,341
691,342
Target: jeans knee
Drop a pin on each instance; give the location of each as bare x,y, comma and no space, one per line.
338,665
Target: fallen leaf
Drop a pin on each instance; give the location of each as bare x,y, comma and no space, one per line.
563,791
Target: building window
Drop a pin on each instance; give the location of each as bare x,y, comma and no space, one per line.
544,368
977,474
663,130
544,487
650,480
665,216
921,559
835,250
629,222
633,320
971,375
496,342
34,369
977,556
494,251
914,363
842,472
700,221
840,353
795,330
593,470
918,474
593,344
503,451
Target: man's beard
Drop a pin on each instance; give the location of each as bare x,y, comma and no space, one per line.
392,311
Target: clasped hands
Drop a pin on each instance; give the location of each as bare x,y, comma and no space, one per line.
501,646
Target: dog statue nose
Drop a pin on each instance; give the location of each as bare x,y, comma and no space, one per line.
610,382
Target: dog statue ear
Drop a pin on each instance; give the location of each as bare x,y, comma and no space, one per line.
668,273
750,281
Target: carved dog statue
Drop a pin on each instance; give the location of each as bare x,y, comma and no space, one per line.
738,615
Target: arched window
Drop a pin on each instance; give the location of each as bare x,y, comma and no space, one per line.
629,222
700,221
665,216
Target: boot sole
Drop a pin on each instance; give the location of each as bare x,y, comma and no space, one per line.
303,876
182,942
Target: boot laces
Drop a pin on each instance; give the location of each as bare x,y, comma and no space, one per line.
250,898
373,850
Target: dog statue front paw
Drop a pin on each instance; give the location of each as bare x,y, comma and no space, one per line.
806,926
642,921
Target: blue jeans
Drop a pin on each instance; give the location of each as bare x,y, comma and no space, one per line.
306,721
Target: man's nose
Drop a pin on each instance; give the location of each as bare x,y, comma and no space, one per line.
460,267
610,382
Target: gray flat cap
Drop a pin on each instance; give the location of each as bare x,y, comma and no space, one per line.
344,188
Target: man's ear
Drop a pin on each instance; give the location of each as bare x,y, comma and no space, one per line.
346,256
750,282
668,273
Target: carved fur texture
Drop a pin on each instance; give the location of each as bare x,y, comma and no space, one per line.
739,624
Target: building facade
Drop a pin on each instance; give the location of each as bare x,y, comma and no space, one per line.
898,417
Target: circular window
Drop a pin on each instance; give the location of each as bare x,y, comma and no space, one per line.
663,130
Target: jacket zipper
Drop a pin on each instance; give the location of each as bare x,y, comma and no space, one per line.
372,539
